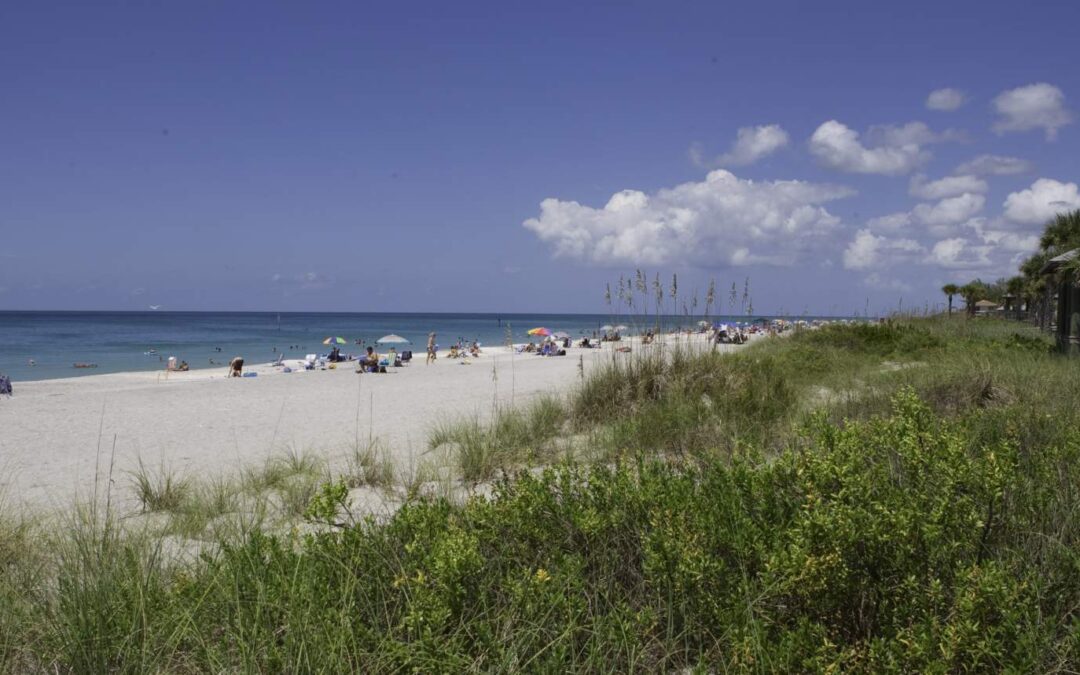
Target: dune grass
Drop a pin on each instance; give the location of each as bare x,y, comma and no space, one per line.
513,436
898,498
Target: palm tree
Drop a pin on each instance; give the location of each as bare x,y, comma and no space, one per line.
950,290
971,292
1062,233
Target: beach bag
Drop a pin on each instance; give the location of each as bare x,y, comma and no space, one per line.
5,385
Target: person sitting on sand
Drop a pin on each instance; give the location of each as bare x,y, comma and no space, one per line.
236,366
474,349
184,367
371,359
530,347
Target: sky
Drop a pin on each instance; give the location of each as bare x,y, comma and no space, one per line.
837,157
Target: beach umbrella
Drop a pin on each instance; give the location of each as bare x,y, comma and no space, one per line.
703,323
561,335
392,339
540,331
607,326
334,341
620,328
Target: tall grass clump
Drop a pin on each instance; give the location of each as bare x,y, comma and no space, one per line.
162,490
686,402
513,436
370,464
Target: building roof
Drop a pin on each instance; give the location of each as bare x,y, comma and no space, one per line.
986,303
1053,264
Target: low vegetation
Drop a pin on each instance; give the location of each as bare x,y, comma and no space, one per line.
897,497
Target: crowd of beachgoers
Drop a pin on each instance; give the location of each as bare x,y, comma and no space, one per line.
544,342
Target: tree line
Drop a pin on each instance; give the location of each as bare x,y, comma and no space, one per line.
1030,288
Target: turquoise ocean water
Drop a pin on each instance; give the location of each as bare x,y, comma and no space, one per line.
119,341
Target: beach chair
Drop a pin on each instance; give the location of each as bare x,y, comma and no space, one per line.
406,356
280,361
5,385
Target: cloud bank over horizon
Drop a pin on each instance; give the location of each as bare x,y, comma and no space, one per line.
734,221
722,217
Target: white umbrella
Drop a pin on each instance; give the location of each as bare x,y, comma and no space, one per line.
607,326
620,327
703,323
560,335
391,339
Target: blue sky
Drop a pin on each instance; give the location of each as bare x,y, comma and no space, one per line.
515,156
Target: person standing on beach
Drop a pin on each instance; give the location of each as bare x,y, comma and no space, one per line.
430,348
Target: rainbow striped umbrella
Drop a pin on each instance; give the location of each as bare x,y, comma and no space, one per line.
335,341
540,331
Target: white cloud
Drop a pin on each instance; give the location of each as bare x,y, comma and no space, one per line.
958,253
720,219
994,165
945,187
912,133
898,150
949,212
1042,201
1003,240
869,250
1035,106
945,99
890,224
751,144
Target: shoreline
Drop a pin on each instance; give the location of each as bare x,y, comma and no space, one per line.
59,433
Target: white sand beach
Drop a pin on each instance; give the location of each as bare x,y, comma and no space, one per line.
57,435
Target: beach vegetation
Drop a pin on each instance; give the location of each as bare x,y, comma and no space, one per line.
899,497
370,464
161,490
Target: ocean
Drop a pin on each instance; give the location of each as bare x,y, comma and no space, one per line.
46,345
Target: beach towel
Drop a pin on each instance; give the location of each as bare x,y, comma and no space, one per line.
5,385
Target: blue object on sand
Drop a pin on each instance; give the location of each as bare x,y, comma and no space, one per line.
251,374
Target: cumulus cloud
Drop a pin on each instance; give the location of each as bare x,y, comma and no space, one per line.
994,165
949,186
912,133
891,223
751,144
1042,201
992,234
946,99
1035,106
958,253
720,219
890,151
942,217
868,250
